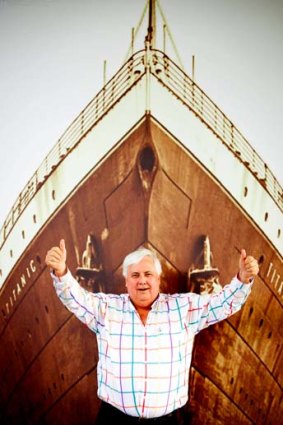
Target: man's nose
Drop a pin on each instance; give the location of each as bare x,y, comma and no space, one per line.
142,279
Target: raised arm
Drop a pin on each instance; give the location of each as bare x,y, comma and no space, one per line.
87,306
205,310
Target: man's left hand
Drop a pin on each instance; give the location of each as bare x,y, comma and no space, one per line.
248,267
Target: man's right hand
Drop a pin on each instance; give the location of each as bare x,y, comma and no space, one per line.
56,259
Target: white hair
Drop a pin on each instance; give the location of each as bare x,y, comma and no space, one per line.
135,256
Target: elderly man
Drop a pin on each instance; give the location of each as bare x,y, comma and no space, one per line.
145,338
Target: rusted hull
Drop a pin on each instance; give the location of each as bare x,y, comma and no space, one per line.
149,191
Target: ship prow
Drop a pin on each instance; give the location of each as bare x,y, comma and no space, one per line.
151,161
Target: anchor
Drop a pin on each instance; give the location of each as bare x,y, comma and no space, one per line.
90,274
205,280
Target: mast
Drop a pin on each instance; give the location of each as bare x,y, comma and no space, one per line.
151,30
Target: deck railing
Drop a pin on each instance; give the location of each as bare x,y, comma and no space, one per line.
184,88
128,75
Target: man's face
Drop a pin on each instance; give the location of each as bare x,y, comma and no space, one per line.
143,282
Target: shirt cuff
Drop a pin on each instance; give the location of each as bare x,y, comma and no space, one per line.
251,281
62,279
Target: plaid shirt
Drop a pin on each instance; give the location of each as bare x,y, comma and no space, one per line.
143,370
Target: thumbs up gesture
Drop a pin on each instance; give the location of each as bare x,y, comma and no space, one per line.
56,259
248,267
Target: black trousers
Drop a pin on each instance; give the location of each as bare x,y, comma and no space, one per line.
108,413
